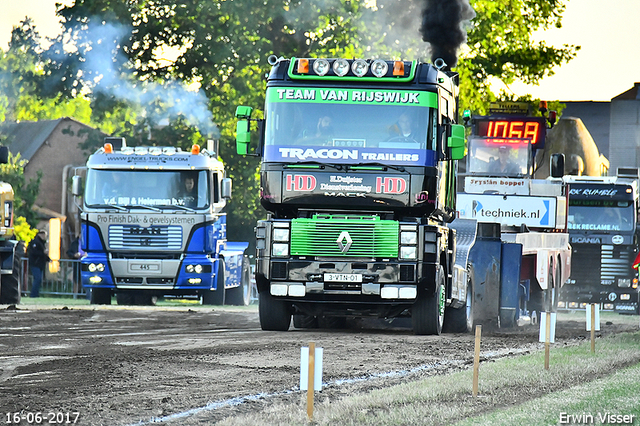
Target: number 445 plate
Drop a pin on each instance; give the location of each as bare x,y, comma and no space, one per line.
343,278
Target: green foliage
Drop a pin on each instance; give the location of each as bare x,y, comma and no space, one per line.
23,231
222,49
25,193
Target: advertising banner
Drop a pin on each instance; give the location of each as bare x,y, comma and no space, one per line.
391,187
513,210
481,185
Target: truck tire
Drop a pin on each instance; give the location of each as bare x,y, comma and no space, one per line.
144,298
460,320
100,296
10,293
241,295
305,321
216,297
124,298
275,315
427,313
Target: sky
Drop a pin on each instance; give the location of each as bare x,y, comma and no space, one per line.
607,65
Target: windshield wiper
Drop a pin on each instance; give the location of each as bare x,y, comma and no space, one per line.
311,164
140,206
398,168
105,206
175,206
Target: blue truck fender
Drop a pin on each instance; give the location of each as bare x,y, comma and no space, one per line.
233,257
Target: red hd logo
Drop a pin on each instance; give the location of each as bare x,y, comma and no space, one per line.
301,183
390,185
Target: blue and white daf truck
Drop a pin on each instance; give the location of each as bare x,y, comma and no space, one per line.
153,225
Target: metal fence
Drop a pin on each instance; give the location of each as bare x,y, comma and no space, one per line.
64,282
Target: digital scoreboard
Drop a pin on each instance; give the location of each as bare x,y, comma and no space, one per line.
533,128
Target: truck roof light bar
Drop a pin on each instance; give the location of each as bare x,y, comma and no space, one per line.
351,69
195,149
108,148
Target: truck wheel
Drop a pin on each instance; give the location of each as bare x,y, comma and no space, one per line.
427,314
10,285
124,298
101,296
305,321
144,298
241,295
275,315
460,320
216,297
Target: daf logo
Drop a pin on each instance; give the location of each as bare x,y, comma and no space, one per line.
344,241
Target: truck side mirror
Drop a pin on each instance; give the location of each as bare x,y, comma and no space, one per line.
225,190
456,142
243,133
76,186
557,165
4,155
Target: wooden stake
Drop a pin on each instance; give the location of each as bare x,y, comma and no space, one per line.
593,328
312,368
547,339
476,360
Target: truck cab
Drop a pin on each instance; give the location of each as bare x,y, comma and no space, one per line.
153,225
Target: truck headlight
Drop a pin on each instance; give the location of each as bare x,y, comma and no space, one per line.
95,267
281,234
409,238
625,296
408,252
280,250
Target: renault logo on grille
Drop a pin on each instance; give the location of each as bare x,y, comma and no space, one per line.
344,241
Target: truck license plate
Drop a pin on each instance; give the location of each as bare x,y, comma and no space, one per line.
343,278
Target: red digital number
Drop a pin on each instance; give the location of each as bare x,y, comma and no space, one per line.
513,129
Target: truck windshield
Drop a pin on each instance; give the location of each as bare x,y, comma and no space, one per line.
588,218
130,188
349,126
498,156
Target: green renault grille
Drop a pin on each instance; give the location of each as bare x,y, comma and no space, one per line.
366,236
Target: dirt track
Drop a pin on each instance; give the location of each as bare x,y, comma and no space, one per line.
119,366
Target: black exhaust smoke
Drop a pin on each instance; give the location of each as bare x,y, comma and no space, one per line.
442,27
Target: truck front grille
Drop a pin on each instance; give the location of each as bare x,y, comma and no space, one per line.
344,237
615,262
152,237
592,263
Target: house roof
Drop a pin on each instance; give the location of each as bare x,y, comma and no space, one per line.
27,137
631,94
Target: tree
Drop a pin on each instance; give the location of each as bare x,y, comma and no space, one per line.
223,45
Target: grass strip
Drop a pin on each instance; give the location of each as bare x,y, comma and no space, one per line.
512,391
